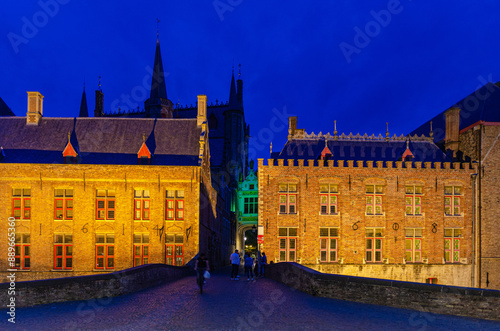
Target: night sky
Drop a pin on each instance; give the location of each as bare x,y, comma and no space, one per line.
362,63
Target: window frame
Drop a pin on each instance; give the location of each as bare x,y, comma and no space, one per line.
144,201
143,247
65,199
453,198
23,198
178,205
374,195
288,194
411,200
332,192
415,242
106,256
22,256
287,240
176,246
331,237
107,199
250,204
452,240
64,250
374,239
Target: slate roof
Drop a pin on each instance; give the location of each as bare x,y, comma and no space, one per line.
310,149
481,105
4,109
100,140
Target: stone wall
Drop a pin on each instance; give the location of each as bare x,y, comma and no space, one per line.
439,299
30,293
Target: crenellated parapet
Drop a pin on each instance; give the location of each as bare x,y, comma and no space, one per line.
301,134
358,164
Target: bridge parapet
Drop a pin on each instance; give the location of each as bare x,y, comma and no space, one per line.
439,299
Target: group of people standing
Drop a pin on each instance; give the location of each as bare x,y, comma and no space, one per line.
252,265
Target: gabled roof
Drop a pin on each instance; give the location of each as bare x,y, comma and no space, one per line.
4,109
100,140
481,105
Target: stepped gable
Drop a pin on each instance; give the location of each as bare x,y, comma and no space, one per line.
101,140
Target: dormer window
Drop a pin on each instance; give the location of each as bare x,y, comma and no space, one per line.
144,155
70,154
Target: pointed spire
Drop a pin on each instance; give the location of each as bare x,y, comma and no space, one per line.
387,132
158,88
233,98
84,111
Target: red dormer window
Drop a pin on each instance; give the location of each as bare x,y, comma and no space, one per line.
326,154
69,152
144,155
407,155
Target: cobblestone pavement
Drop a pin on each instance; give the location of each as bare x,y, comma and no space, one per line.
229,305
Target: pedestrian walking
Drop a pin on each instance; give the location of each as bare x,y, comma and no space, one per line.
263,262
256,267
235,264
248,266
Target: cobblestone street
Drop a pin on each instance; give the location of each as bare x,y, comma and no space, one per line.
230,305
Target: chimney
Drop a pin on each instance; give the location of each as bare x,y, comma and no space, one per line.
452,118
202,109
292,126
35,108
99,98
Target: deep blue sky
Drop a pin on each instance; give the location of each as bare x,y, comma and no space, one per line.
411,66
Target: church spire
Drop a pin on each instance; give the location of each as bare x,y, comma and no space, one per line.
84,111
158,88
233,98
158,105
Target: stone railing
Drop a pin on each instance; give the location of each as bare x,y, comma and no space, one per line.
439,299
30,293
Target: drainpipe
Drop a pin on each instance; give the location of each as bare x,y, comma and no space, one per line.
474,232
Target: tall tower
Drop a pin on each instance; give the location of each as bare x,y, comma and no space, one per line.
158,105
235,147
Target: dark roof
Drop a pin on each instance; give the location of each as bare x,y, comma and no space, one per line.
4,109
100,140
481,105
392,150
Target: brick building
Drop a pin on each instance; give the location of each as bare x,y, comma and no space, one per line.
383,207
117,190
470,130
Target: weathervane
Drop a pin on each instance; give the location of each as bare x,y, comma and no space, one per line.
157,28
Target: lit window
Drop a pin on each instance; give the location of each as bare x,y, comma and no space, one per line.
328,194
452,200
374,244
413,245
287,239
104,251
374,199
174,249
105,205
63,251
452,245
413,199
174,209
22,251
141,205
288,198
141,248
328,241
63,204
21,203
